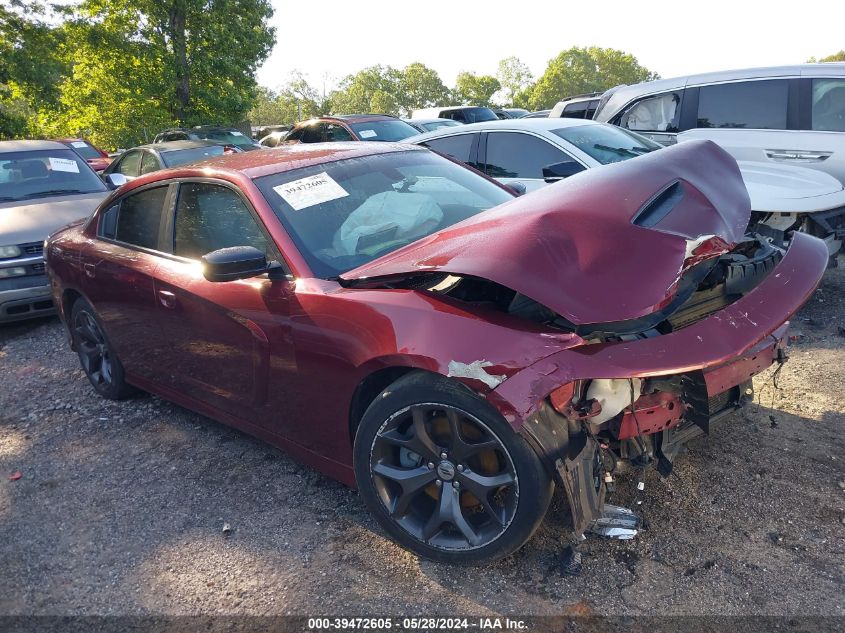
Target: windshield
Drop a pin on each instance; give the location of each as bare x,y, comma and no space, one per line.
388,130
347,213
607,143
184,156
228,137
85,150
42,173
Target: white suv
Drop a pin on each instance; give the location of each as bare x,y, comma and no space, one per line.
789,114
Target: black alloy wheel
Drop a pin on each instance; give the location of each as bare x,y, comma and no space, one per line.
445,474
99,361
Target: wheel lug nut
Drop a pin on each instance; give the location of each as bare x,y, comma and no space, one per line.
443,455
456,484
430,466
460,468
438,483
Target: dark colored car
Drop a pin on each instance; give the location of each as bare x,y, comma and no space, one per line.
146,159
351,127
216,134
510,113
97,159
404,324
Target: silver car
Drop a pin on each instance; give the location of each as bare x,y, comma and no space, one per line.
526,154
43,186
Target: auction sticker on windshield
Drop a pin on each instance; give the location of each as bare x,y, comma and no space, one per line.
306,192
367,133
64,164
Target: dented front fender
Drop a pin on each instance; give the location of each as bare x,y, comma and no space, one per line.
716,340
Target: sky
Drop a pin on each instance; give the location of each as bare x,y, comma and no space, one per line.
334,38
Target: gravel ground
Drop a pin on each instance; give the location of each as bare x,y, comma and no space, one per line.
121,506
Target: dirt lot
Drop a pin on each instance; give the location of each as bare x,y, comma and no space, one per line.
121,507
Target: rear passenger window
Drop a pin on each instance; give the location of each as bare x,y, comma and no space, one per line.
745,104
210,217
140,217
458,146
148,164
828,105
575,111
516,155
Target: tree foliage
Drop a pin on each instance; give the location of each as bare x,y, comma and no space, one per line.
30,69
836,57
581,70
472,89
120,70
514,77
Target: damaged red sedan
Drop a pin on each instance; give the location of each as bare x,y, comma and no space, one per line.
407,326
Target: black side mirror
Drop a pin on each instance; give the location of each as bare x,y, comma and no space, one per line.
237,262
558,171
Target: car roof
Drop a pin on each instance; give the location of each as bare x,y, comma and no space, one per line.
170,146
349,118
429,120
526,125
30,146
621,95
266,161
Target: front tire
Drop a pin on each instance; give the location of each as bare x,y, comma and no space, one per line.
99,361
445,475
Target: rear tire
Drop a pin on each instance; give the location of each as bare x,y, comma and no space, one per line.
99,361
445,475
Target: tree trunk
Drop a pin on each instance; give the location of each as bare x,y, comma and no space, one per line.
178,19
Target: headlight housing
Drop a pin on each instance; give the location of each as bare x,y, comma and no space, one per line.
7,252
16,271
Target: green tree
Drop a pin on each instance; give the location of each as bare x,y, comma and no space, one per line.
514,77
30,67
420,87
836,57
205,51
373,89
472,89
581,70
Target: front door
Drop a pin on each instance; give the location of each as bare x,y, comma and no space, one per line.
222,337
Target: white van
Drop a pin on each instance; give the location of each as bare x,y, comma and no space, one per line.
789,114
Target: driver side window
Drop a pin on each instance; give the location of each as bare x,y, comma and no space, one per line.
130,164
210,217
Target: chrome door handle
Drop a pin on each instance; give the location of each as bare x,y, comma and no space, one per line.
167,299
797,154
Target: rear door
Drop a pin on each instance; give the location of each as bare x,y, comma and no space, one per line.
118,268
221,336
793,122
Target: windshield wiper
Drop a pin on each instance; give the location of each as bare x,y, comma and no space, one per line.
56,192
617,150
8,199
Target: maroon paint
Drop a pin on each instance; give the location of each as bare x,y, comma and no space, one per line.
282,359
572,246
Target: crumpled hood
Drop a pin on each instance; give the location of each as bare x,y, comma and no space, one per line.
34,220
575,247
